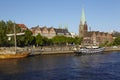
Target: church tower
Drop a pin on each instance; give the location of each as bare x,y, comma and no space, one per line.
83,28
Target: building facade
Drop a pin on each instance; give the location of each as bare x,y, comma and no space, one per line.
49,32
97,38
92,37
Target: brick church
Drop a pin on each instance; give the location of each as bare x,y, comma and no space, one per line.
92,37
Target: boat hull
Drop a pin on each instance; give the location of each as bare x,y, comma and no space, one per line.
89,51
13,56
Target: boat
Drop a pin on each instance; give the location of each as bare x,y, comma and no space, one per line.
88,50
91,49
14,53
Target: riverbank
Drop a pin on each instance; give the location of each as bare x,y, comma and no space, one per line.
62,50
55,50
52,50
107,49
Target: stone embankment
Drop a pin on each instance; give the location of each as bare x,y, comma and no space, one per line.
62,50
53,49
112,49
11,50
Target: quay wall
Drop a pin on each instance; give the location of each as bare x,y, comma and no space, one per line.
62,50
52,49
112,49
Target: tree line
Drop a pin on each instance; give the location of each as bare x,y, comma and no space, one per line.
28,39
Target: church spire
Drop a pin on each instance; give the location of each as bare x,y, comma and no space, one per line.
83,17
83,25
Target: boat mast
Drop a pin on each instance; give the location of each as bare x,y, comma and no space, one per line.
15,37
90,37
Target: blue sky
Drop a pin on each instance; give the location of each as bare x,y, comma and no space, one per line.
101,15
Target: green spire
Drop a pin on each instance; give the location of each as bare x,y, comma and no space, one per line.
60,26
66,26
83,17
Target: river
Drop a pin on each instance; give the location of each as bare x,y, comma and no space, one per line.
62,67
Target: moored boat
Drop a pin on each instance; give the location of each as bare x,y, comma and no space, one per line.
88,50
14,53
11,56
8,54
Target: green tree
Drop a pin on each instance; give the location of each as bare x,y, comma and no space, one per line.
21,41
10,28
28,38
49,42
116,41
39,40
70,40
59,40
78,40
3,37
46,41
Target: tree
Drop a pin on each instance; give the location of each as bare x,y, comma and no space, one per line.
116,41
78,40
28,38
46,41
70,40
39,40
3,37
8,28
59,40
49,42
21,41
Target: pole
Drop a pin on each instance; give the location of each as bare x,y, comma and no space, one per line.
15,37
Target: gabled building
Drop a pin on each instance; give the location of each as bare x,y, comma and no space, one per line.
49,32
52,32
43,31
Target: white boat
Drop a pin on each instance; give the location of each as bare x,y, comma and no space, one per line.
88,50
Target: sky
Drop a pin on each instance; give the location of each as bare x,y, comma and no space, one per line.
101,15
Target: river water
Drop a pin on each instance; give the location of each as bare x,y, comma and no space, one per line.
62,67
